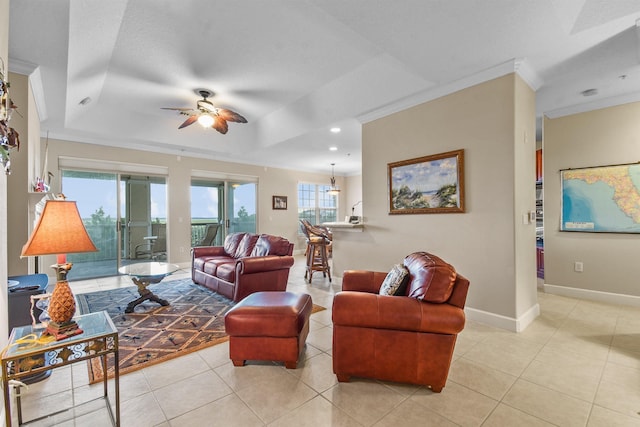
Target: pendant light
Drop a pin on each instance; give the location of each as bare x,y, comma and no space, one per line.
334,190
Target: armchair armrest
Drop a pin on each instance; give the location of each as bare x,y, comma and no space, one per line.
259,264
362,281
199,251
366,310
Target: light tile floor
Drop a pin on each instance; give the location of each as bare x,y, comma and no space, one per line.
578,364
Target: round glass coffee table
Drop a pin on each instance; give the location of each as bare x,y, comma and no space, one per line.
143,274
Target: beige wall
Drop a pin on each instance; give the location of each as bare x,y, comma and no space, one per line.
596,138
524,199
494,122
18,181
271,181
353,196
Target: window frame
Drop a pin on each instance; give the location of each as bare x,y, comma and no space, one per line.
320,195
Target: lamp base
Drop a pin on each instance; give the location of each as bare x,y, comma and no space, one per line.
62,307
61,331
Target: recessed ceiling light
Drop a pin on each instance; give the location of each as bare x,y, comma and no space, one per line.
333,148
589,92
335,130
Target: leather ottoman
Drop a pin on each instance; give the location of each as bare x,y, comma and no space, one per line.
268,326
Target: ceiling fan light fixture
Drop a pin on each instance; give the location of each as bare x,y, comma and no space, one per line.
207,114
205,105
205,120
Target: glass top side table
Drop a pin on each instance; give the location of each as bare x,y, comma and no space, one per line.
24,356
143,274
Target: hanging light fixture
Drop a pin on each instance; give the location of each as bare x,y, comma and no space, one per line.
334,190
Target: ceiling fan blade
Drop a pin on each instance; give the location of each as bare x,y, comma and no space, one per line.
231,116
188,122
220,125
176,108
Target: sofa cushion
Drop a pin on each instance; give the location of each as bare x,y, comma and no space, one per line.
245,247
211,264
231,243
210,268
271,245
432,279
396,281
198,263
227,272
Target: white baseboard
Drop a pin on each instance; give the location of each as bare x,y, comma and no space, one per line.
606,297
504,322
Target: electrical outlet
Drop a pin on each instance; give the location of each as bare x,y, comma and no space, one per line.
578,267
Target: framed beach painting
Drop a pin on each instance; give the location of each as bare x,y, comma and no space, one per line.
430,184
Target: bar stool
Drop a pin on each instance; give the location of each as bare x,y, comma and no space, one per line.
318,240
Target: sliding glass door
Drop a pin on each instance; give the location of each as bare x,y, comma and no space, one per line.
241,207
125,215
143,214
207,216
96,195
221,207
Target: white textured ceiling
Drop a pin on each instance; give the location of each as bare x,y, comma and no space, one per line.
296,68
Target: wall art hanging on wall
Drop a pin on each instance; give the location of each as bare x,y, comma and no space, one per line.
601,199
430,184
279,202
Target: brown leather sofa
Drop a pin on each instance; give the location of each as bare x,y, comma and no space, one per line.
408,338
247,263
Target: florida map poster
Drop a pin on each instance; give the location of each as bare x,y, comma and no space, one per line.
602,199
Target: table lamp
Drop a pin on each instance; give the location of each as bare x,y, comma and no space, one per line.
58,232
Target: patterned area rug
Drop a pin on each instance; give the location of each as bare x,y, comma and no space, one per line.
153,333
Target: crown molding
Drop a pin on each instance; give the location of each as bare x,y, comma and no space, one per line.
519,66
598,104
528,74
21,67
35,80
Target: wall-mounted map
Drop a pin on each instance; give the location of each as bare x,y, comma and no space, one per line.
601,199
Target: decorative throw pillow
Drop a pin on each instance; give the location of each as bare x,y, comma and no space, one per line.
396,281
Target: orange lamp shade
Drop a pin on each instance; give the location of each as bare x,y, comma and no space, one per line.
59,231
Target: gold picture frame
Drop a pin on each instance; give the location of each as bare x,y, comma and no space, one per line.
429,184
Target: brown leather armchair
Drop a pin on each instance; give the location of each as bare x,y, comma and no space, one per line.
408,338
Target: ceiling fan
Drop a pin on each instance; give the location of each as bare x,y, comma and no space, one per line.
207,114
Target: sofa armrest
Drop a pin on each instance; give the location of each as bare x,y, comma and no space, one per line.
362,281
259,264
199,251
366,310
